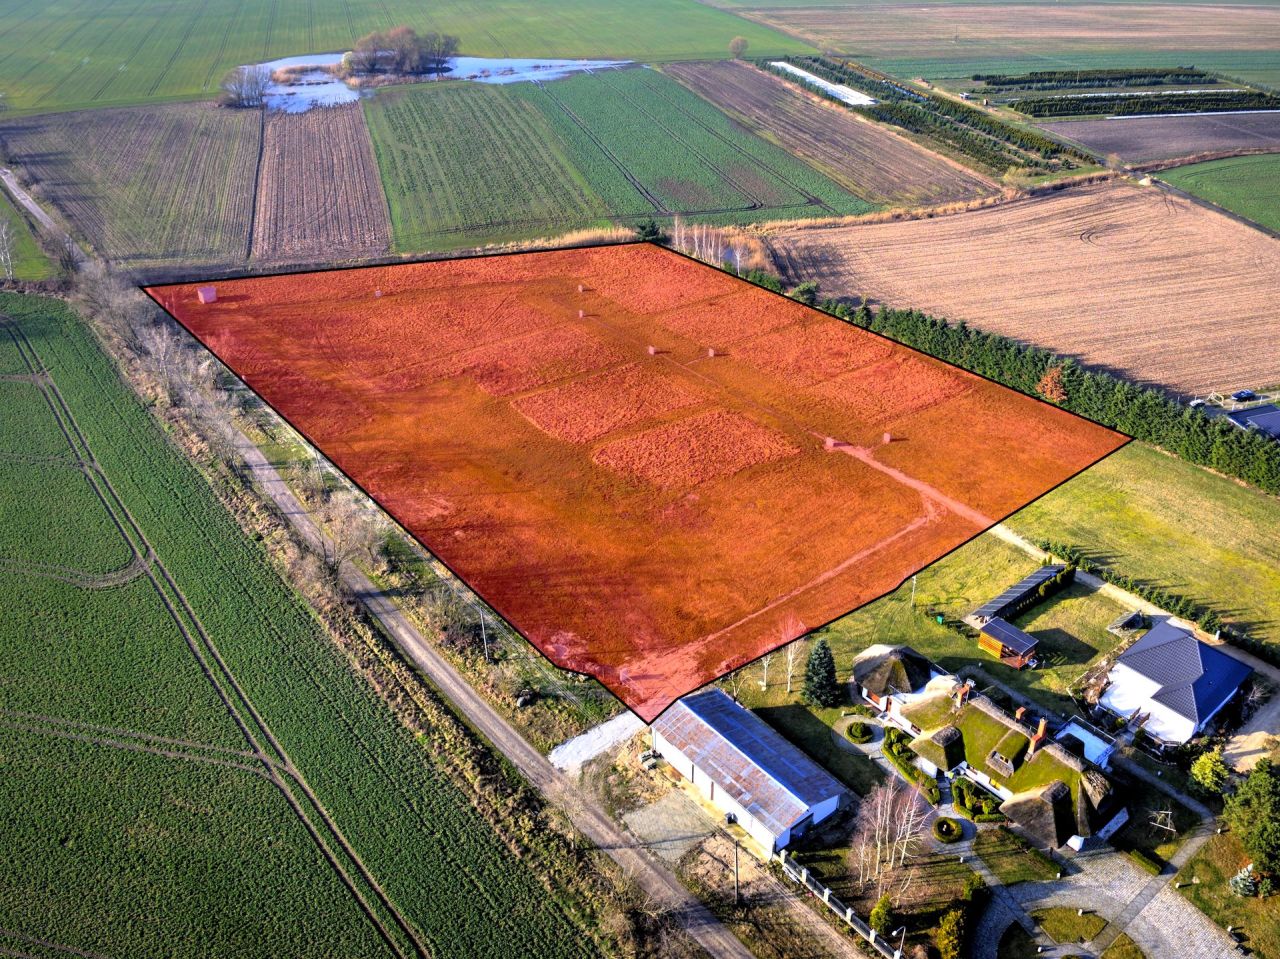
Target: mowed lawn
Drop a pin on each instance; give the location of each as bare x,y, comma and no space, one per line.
1175,525
59,54
467,163
1249,185
137,820
1071,628
29,262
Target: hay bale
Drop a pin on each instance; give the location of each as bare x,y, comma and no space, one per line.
207,294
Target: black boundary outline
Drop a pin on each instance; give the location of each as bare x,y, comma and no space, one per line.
587,246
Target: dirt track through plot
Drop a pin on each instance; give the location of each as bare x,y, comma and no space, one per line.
658,549
1125,277
879,166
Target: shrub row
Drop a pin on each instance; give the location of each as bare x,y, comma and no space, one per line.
1058,79
1122,105
904,760
973,132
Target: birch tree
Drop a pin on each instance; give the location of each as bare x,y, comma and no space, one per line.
890,828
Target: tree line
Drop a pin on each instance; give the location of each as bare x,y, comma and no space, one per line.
1059,79
1129,105
973,132
1143,412
401,50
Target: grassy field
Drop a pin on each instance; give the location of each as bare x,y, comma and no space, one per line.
1249,186
1178,526
29,262
182,731
463,164
1256,921
63,54
1064,924
957,39
173,182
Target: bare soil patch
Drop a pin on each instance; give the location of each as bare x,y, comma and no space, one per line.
655,544
865,158
319,194
1143,139
1125,277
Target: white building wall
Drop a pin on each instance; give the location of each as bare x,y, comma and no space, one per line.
1130,691
718,797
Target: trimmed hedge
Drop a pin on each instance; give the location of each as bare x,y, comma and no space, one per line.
946,829
860,733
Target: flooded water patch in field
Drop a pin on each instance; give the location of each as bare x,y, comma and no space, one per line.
302,82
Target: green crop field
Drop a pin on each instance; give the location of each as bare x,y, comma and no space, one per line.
29,263
1249,186
191,767
1176,526
62,54
466,163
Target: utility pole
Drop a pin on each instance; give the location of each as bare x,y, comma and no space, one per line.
737,895
484,637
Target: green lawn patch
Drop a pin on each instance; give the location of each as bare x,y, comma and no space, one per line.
1065,925
1011,859
810,729
1174,525
1123,948
29,261
1249,186
1256,921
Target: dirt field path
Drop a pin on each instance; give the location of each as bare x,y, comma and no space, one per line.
654,879
1123,277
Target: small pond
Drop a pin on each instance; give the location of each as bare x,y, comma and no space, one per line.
318,88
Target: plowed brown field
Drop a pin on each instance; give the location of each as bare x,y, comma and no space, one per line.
1142,139
1121,276
319,193
863,157
641,509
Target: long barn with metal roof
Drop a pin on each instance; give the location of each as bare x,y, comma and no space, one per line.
745,769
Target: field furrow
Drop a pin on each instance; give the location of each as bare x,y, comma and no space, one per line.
319,193
1123,277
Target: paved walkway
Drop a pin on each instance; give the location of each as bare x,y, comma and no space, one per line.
27,202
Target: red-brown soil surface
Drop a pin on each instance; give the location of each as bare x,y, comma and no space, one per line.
657,517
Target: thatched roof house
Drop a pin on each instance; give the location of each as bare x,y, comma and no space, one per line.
884,670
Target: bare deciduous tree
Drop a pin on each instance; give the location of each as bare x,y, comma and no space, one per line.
737,47
733,682
7,240
765,660
793,657
890,828
351,533
246,86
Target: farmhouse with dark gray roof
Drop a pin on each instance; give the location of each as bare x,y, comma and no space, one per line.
1174,683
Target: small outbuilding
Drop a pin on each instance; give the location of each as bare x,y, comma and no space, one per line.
881,672
744,768
1008,643
1173,682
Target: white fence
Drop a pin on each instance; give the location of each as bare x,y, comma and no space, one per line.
804,877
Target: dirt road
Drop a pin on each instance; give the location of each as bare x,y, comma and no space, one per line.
655,880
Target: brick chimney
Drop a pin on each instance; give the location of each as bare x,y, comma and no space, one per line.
1038,738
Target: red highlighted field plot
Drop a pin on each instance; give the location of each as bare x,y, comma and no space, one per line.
654,471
